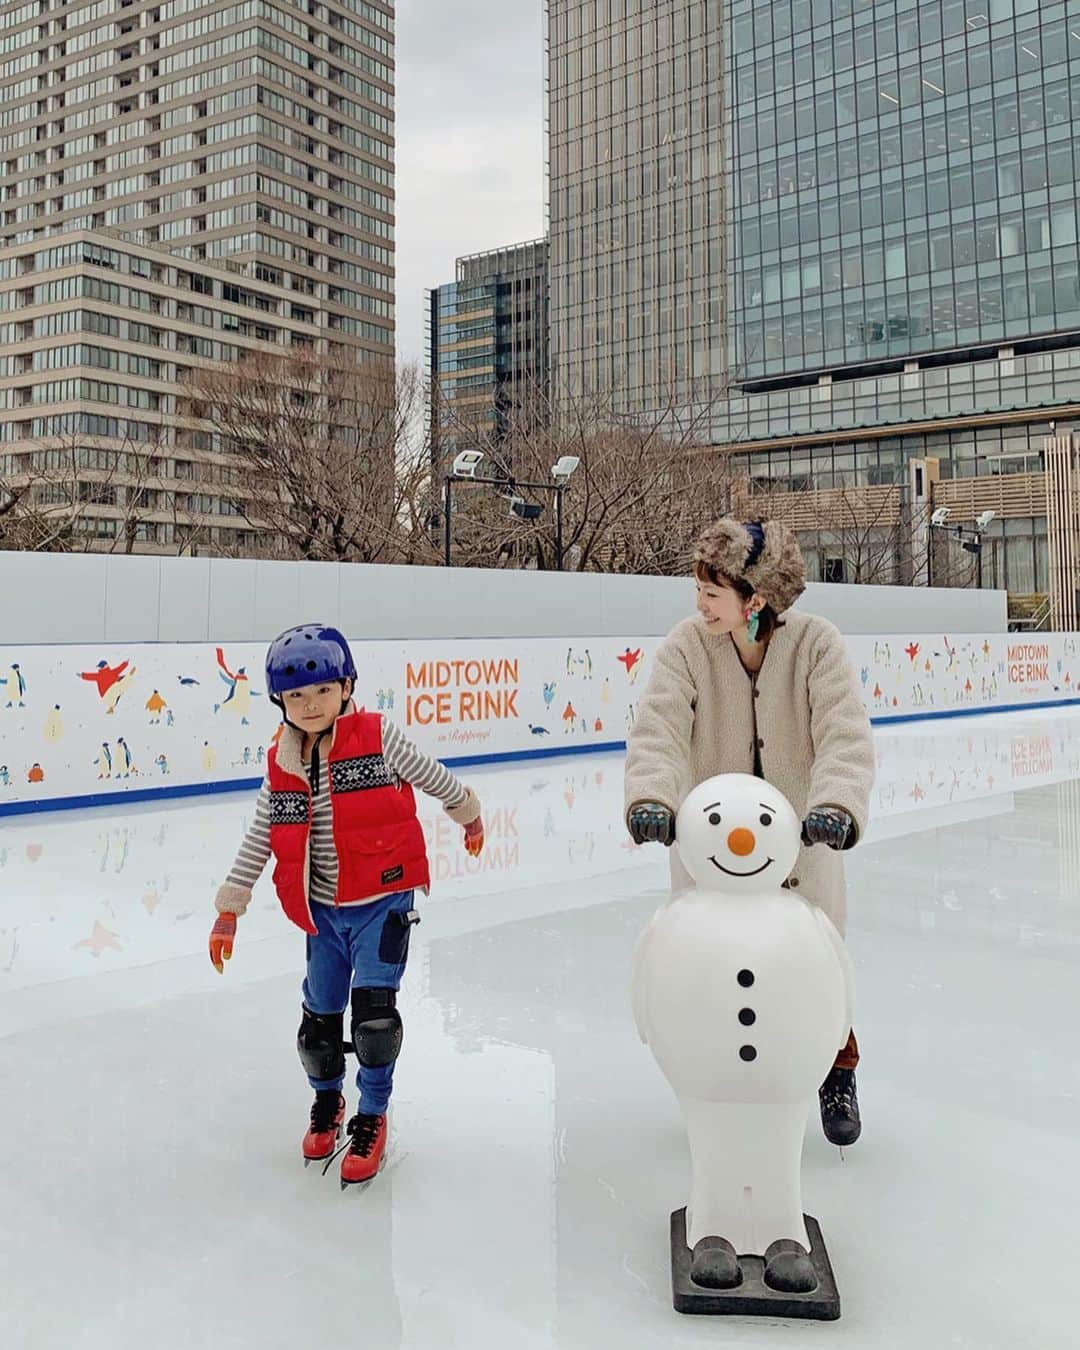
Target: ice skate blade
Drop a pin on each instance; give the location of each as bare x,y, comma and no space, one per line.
752,1298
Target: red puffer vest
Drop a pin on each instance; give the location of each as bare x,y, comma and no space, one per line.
378,839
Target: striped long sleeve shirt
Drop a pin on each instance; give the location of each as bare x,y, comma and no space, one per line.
402,758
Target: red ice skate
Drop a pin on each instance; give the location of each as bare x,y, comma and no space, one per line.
327,1113
365,1153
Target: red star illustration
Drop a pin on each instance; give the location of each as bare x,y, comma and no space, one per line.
99,940
918,793
912,651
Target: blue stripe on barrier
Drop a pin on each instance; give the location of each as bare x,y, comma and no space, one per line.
972,712
460,761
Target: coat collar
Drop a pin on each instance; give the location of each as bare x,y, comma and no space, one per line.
290,744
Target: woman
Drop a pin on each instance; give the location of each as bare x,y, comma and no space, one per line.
749,686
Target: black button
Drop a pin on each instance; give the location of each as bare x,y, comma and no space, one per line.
745,978
747,1016
748,1053
761,745
793,882
757,692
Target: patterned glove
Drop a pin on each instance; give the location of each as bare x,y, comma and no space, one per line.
474,837
221,940
651,821
829,825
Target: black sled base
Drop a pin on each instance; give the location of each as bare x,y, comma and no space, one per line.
753,1298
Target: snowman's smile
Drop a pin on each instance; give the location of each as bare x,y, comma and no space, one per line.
728,872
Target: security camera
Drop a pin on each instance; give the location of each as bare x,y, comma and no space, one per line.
971,545
565,467
465,463
985,519
524,510
940,516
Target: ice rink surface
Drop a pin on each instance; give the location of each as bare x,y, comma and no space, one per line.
151,1189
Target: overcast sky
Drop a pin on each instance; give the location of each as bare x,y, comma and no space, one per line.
469,140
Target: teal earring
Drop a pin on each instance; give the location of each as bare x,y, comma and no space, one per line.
752,625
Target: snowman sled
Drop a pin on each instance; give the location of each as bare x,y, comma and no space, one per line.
743,992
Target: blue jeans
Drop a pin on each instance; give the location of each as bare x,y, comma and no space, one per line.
346,955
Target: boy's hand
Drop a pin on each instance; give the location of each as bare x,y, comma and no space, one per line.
221,940
474,837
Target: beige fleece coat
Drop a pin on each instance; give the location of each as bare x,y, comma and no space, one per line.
696,719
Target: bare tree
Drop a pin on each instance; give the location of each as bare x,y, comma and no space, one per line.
325,452
643,489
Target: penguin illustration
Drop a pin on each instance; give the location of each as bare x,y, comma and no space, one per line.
16,686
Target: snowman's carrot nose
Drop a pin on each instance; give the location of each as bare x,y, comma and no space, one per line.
741,842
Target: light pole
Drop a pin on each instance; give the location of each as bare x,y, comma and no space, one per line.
464,471
970,540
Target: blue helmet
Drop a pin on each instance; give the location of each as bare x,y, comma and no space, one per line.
309,654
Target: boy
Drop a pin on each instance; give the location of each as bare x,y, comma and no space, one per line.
338,813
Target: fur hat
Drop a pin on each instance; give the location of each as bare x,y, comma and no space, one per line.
764,554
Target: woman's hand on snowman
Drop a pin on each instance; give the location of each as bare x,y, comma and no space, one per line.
652,822
830,825
474,837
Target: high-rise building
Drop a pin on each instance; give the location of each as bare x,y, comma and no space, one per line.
487,343
237,159
898,188
636,200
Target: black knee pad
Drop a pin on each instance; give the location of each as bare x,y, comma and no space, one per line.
376,1027
319,1043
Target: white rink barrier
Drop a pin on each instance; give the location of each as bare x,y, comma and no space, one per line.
87,725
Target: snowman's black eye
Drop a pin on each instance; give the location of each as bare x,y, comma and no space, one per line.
714,819
766,820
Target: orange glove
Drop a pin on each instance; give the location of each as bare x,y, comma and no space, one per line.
221,940
474,837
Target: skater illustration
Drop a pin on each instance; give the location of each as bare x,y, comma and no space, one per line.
111,681
103,763
155,706
631,659
162,764
588,664
539,731
36,774
260,755
380,699
16,686
169,719
390,700
5,776
209,758
549,694
598,725
714,704
356,900
605,691
238,699
570,662
54,724
569,717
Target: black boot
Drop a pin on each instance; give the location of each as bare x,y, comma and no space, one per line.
840,1107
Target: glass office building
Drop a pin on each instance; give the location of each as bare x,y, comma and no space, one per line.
487,351
888,266
905,179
